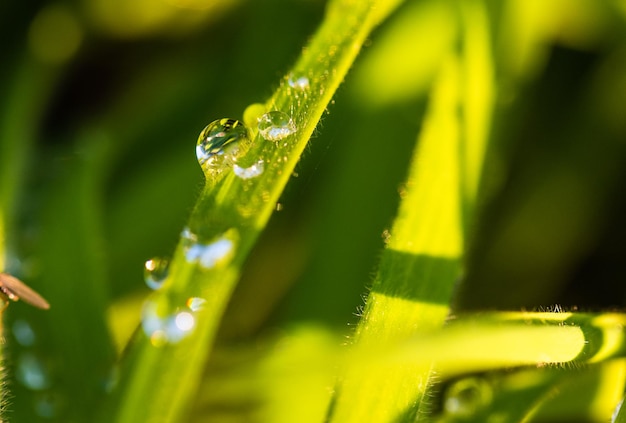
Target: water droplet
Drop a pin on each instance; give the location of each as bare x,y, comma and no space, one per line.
298,82
48,404
279,206
217,253
196,303
386,235
465,397
184,321
188,236
219,144
163,328
249,172
155,272
32,373
111,379
276,125
24,333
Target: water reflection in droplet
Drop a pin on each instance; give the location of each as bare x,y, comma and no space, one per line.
219,145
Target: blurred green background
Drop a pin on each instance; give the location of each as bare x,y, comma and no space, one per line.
101,102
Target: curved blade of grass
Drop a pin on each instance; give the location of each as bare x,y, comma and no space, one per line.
497,340
423,260
22,104
157,384
73,343
25,95
417,272
552,352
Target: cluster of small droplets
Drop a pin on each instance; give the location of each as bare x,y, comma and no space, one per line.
219,145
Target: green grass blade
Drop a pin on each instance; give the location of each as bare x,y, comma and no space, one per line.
23,102
418,269
497,340
423,260
232,211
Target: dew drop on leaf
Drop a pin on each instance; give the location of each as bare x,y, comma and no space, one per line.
467,396
155,272
249,172
219,145
196,303
298,82
276,125
213,254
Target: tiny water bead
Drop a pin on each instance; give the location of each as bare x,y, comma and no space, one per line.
219,144
276,125
300,83
155,272
249,172
195,303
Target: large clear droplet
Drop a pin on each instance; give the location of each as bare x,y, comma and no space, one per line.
276,125
155,272
219,145
467,396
